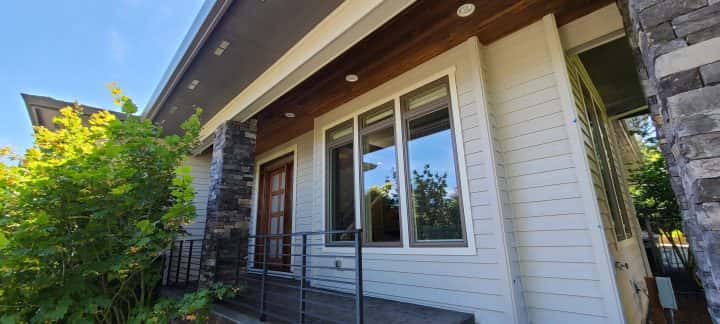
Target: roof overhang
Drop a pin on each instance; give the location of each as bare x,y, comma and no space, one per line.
257,34
305,79
348,24
203,25
599,39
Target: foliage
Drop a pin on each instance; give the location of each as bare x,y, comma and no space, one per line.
386,192
436,212
86,215
642,127
653,196
191,307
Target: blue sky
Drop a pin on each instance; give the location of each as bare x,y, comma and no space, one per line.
434,149
69,50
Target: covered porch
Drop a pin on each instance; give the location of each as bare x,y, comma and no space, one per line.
296,292
266,230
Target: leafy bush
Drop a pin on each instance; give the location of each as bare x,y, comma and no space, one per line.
192,307
86,215
654,198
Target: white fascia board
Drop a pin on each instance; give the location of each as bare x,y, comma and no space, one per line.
592,30
344,27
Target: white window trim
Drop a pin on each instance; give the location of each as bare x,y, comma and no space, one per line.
259,161
320,145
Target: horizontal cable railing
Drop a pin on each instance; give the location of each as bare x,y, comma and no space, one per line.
292,271
289,278
182,265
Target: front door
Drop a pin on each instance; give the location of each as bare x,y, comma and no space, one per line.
275,214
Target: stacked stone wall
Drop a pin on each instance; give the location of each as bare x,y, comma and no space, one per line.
677,44
229,202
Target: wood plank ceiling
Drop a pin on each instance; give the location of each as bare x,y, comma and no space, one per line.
421,32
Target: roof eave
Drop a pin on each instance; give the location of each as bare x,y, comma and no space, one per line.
205,22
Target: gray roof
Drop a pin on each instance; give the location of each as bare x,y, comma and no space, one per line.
43,109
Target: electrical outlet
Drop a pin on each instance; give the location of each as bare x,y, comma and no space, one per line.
338,263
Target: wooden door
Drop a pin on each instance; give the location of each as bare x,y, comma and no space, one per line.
275,214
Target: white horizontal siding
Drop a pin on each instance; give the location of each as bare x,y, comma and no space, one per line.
554,248
503,186
200,172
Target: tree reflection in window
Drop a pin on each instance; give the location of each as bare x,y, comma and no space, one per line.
437,212
433,177
381,207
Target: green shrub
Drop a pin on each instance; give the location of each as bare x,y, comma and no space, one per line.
86,214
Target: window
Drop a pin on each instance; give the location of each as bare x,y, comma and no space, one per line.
434,203
431,183
608,167
341,202
380,199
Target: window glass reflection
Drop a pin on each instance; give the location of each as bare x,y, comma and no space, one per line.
433,178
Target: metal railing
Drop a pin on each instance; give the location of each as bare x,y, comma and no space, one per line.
182,266
289,278
291,271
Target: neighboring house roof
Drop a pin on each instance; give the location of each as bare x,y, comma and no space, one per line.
43,109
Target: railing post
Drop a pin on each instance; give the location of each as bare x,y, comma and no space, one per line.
168,269
187,269
177,269
262,279
358,278
303,273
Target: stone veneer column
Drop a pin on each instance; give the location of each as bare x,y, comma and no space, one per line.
677,44
229,201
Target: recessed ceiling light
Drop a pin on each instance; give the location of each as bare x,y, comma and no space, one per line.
466,9
221,48
193,84
351,78
289,115
173,109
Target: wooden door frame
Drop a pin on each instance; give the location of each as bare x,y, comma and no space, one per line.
265,169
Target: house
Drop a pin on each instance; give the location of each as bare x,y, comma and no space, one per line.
468,141
455,161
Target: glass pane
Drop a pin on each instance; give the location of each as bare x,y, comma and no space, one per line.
383,113
275,182
427,95
341,192
274,208
381,204
274,225
340,132
431,158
